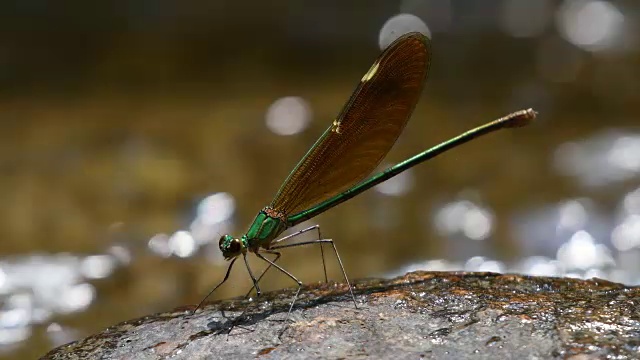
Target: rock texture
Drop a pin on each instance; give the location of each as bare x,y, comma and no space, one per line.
436,315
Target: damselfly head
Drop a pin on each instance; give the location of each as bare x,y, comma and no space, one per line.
230,246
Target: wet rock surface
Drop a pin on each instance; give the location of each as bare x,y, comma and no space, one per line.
437,315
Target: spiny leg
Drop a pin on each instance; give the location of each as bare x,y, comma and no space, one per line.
295,297
258,293
253,278
335,250
226,276
290,236
297,233
265,270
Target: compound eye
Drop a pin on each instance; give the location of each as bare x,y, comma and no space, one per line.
222,240
234,246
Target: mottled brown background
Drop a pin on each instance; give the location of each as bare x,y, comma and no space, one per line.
118,117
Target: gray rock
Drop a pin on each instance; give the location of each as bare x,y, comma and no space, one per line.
433,315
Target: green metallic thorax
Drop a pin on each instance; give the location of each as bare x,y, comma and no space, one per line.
263,231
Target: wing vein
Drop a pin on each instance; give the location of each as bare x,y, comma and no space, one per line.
369,125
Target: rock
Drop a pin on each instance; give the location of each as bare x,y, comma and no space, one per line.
439,315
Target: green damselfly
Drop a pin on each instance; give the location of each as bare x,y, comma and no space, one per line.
336,167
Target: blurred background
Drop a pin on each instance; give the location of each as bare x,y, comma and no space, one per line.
135,133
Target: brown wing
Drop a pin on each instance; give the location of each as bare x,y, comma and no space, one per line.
365,130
